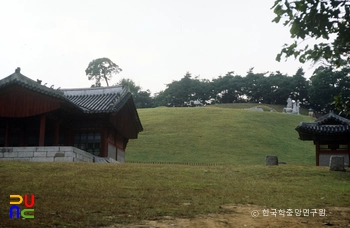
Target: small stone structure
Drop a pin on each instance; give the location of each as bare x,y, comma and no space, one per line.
255,109
311,113
336,163
292,106
289,108
296,107
271,160
50,154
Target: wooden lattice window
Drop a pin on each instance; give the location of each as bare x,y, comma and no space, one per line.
88,141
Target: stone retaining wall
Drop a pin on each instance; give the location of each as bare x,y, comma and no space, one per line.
45,154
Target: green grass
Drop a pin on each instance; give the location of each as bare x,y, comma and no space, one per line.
91,195
265,107
219,135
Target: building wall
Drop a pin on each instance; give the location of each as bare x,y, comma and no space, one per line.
25,133
112,151
325,158
31,102
116,146
120,155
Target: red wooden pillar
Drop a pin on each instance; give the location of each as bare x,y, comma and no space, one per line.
42,130
7,135
104,143
22,136
57,134
317,153
349,152
69,138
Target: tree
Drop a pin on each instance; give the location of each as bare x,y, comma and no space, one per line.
326,84
142,99
134,89
342,100
325,20
228,89
185,91
300,87
255,86
178,92
280,87
101,69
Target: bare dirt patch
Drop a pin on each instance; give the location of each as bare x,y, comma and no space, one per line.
241,216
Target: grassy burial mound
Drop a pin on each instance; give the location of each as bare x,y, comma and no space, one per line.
219,135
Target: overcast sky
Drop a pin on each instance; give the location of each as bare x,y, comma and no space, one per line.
153,41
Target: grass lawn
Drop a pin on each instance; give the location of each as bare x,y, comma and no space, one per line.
235,140
90,195
219,135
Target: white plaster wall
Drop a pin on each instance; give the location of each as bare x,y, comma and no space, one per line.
120,155
325,158
112,151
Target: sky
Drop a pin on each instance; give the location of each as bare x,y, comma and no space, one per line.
155,42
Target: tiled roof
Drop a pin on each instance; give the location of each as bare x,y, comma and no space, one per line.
19,79
87,100
331,117
98,100
330,125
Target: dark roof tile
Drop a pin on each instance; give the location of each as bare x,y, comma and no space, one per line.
19,79
328,125
88,100
97,100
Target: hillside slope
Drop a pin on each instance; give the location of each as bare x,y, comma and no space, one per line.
219,135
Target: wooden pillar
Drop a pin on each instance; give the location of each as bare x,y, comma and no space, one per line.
317,153
349,152
22,137
42,130
104,143
57,134
7,135
69,138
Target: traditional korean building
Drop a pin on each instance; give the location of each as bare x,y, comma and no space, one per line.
98,120
331,136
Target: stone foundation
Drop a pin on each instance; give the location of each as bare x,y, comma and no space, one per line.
47,154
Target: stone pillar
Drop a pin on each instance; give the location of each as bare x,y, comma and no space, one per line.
271,160
336,163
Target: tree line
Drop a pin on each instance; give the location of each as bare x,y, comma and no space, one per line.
325,86
318,93
328,88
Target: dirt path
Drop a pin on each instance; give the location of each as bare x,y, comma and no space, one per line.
241,216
